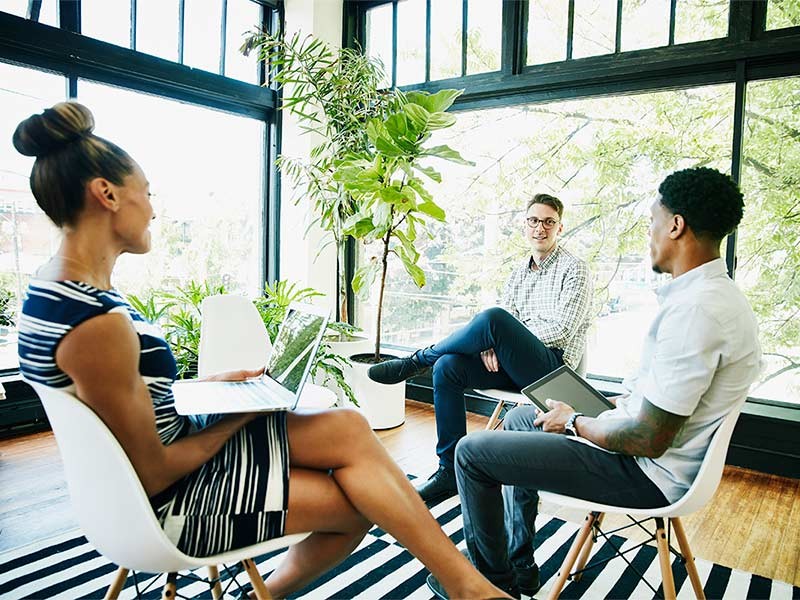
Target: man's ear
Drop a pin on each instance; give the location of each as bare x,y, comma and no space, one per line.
677,227
102,191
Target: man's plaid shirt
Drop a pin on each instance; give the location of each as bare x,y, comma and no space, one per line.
553,301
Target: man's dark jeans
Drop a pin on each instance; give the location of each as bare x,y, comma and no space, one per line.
457,365
499,527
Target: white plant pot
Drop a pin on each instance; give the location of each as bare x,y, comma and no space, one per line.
384,406
357,345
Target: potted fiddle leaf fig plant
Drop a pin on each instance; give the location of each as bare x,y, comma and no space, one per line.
388,180
364,176
333,94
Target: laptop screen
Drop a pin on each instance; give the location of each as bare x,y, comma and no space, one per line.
294,348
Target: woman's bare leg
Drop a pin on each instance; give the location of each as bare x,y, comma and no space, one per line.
374,485
316,503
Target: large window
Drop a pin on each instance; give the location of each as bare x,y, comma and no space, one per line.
206,167
577,112
604,158
25,233
769,237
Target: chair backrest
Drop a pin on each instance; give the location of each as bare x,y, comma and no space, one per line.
581,370
232,335
710,473
108,499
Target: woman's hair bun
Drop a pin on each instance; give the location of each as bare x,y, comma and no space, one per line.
42,134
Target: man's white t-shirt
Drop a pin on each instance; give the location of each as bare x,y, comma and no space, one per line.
699,359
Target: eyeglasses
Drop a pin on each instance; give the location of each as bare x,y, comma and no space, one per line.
546,223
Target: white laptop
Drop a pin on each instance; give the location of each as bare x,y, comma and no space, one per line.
278,388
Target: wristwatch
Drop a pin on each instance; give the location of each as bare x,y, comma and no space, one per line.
569,426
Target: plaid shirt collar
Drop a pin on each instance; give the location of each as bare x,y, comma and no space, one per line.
547,261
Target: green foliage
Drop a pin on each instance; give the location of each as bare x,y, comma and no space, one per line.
333,94
386,180
8,307
178,314
273,305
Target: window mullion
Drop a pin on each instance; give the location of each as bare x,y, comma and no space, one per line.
181,28
514,37
34,8
570,27
736,154
464,26
673,6
133,24
427,40
223,36
394,43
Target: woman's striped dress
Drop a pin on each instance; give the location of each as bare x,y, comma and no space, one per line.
237,498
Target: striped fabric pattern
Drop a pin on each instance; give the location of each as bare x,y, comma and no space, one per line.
239,496
68,567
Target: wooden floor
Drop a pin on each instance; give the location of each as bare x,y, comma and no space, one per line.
753,522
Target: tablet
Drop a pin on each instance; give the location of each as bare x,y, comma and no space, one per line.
565,385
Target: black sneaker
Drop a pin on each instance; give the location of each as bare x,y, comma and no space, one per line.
439,486
395,370
438,589
527,579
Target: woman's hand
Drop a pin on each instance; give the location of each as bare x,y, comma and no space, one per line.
238,375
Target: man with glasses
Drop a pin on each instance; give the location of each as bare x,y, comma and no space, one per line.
541,326
699,358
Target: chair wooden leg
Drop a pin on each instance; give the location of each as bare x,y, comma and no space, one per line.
495,418
572,555
691,568
587,548
664,559
213,578
116,586
259,588
170,589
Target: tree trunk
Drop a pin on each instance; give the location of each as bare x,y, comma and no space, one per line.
341,280
384,265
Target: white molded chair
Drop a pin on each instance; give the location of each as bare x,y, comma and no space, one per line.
504,397
701,491
233,336
113,509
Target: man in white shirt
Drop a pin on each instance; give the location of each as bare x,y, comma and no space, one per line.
542,325
700,357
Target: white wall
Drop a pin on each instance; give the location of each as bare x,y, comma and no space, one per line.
299,259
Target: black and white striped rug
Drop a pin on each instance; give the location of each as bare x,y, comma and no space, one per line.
68,567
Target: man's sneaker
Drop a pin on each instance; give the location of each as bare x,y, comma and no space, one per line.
395,370
438,589
439,486
527,579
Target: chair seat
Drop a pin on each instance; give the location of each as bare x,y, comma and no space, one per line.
585,505
505,395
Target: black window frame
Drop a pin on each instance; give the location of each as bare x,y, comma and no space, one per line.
748,53
64,51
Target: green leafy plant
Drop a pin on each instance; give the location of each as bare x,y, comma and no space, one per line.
333,94
388,181
178,314
8,305
328,366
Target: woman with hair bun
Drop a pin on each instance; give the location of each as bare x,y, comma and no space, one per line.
244,479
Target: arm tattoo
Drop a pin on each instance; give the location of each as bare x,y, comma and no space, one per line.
650,435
